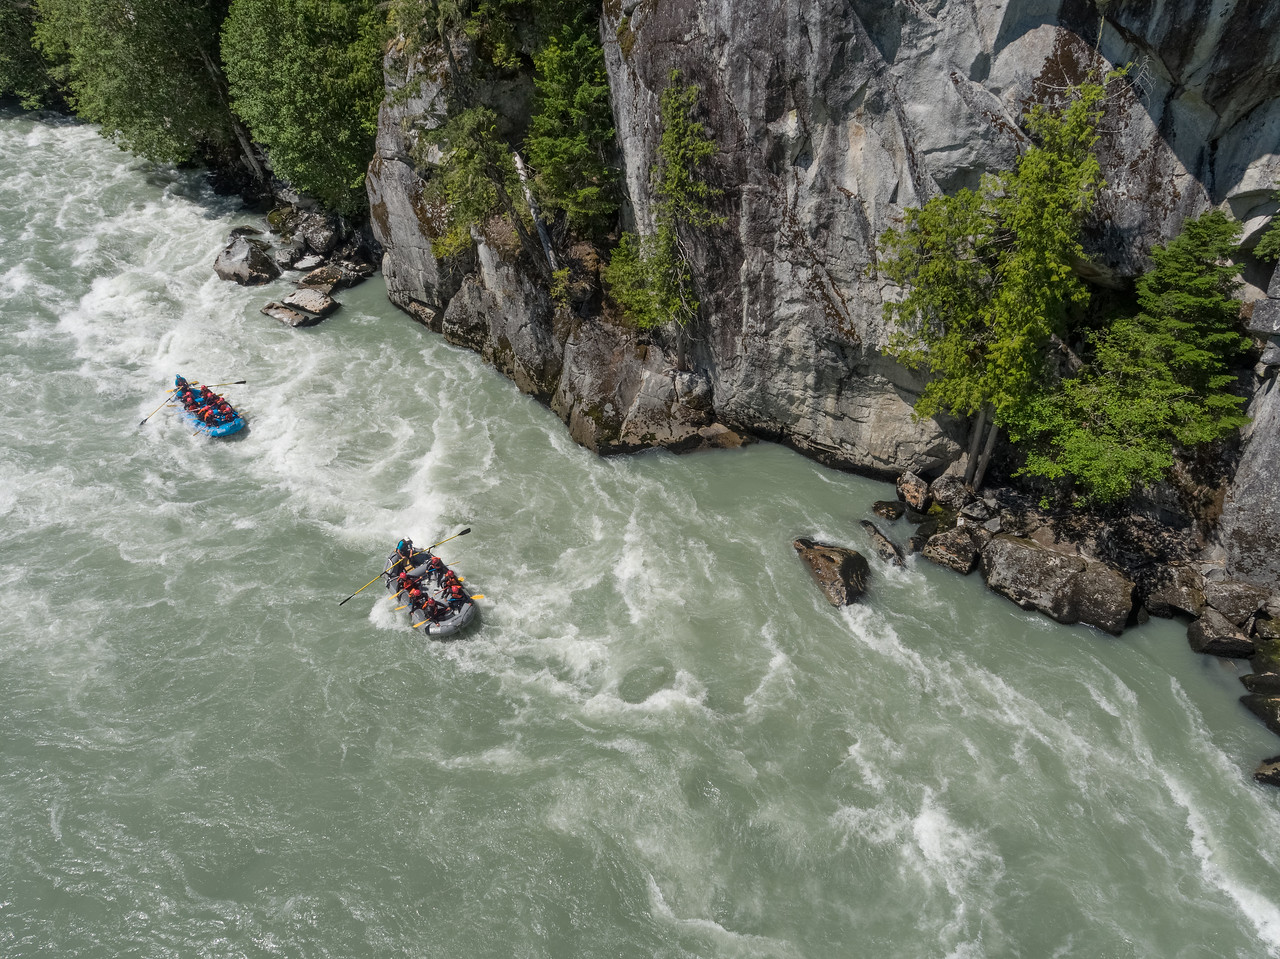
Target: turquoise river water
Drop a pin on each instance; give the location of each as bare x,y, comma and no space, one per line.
661,741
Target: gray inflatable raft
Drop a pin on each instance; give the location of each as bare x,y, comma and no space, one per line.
453,622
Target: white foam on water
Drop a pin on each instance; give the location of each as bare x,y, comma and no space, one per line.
1262,911
685,697
776,687
726,941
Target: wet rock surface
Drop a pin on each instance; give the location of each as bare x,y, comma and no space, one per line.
883,546
246,261
840,573
289,317
1215,635
1066,587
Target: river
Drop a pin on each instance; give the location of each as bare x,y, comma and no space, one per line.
661,741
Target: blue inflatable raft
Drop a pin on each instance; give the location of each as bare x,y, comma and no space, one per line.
222,429
225,428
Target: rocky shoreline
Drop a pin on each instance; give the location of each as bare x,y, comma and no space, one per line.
1075,569
329,254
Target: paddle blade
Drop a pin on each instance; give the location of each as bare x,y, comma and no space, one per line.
478,596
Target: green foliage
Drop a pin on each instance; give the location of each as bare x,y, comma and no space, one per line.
988,273
650,276
1268,247
571,128
472,178
1159,381
650,280
23,73
306,77
144,70
501,30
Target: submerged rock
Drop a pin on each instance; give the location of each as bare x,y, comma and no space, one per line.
885,549
841,573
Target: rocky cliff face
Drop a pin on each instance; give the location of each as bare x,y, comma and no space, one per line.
832,116
1248,532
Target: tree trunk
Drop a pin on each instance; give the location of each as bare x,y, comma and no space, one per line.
976,438
986,456
533,211
246,146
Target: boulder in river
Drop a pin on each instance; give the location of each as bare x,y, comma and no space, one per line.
1236,601
312,301
309,262
914,491
1266,708
1268,772
953,549
888,508
245,262
289,317
1176,590
949,490
841,573
1215,635
1067,587
884,547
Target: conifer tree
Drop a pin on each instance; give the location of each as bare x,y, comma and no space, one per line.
988,275
571,129
1160,380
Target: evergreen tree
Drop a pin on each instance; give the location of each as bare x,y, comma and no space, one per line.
571,128
988,274
650,276
1268,247
472,179
1160,380
306,76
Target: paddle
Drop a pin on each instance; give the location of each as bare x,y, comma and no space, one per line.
155,411
399,561
374,580
212,385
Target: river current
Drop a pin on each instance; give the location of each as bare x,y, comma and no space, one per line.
661,741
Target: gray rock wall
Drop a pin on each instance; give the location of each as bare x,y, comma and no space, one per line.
831,117
1248,533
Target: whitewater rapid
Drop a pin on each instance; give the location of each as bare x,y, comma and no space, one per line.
660,741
